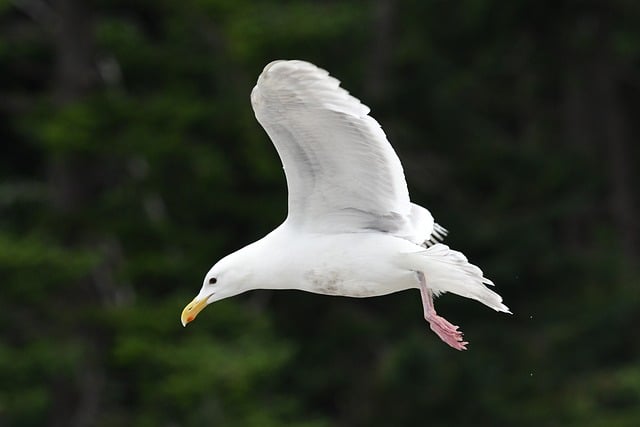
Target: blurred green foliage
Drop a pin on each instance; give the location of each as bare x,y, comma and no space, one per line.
131,162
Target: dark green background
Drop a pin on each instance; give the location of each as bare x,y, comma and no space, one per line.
131,162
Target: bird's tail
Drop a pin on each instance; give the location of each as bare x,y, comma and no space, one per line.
447,270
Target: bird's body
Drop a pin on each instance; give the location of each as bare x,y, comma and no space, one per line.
351,229
329,264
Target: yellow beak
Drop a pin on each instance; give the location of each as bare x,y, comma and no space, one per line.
192,309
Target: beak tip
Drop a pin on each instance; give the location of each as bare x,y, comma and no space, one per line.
186,321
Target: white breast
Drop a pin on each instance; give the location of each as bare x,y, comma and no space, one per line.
349,264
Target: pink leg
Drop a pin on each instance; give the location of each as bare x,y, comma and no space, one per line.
446,331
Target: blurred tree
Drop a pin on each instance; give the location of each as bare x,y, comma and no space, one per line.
131,162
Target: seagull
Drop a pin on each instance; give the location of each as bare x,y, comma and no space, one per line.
351,229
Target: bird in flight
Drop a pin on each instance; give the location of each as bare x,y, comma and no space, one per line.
351,229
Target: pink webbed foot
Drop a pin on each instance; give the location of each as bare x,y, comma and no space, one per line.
447,332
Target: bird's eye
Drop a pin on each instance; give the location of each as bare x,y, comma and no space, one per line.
212,281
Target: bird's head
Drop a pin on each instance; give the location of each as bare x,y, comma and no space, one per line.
225,279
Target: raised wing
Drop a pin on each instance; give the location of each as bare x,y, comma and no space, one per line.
342,173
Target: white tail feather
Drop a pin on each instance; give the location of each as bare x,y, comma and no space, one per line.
447,270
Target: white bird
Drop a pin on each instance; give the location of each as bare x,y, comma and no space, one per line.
351,229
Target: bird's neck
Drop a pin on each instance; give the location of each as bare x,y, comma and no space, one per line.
262,261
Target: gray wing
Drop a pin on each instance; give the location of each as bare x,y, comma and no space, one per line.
342,173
